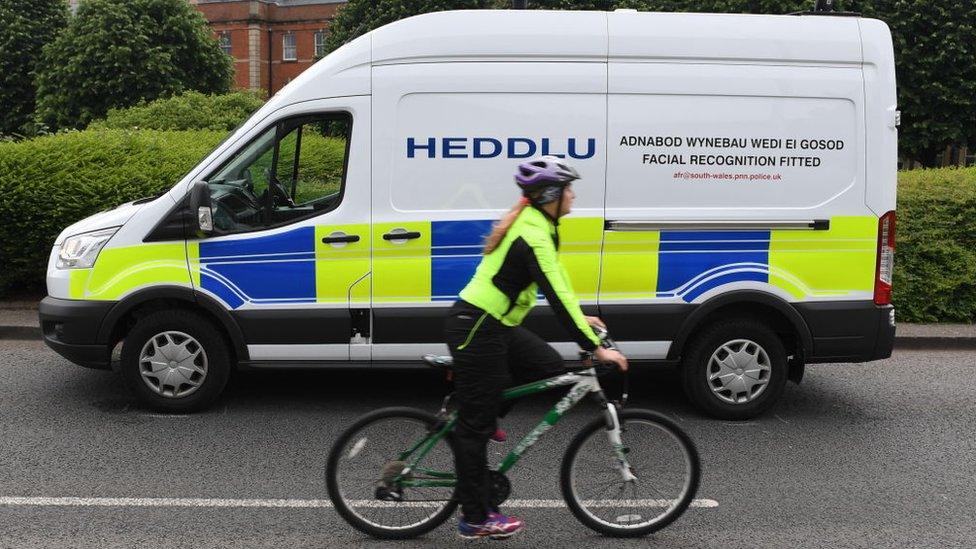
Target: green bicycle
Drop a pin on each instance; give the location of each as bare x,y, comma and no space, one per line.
626,474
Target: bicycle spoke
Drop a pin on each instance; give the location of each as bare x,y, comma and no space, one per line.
363,479
609,488
658,461
595,484
658,492
367,484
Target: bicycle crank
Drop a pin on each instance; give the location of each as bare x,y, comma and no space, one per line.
501,488
388,489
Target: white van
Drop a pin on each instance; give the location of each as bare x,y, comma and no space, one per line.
735,216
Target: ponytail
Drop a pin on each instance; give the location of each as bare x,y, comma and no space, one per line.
501,227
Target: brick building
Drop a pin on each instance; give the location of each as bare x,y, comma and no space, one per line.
271,41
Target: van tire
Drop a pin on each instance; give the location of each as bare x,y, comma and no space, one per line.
745,334
200,333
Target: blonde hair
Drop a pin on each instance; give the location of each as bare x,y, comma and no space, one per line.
501,227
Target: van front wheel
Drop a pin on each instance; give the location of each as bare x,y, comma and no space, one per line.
175,361
734,369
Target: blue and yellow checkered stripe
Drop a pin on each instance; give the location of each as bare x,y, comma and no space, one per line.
684,265
294,266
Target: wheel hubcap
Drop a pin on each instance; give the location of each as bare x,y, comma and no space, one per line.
738,371
173,364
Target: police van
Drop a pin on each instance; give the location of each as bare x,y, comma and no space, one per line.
735,215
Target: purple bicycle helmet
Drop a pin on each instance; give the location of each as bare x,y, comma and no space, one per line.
544,177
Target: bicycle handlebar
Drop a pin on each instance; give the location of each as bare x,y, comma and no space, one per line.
603,368
605,341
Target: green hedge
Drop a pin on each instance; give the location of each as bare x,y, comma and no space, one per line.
50,182
189,111
935,253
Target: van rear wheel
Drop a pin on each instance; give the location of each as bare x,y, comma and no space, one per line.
734,369
175,361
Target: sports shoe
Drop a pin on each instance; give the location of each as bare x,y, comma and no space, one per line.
496,526
499,435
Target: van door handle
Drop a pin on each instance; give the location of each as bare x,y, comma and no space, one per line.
340,238
405,235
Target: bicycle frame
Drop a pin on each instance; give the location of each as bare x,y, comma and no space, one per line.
583,383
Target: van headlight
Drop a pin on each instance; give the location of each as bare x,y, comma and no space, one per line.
81,250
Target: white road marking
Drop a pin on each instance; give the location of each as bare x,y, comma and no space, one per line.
302,503
558,503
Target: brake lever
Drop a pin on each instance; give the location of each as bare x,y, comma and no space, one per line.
608,343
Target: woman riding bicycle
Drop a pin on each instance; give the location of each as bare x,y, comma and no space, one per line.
488,344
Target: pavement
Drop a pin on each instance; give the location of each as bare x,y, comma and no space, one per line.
19,323
18,320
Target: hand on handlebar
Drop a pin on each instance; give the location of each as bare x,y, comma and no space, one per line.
591,320
611,355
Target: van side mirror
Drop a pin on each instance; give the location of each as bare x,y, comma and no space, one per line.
200,206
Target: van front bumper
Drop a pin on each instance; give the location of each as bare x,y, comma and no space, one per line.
70,327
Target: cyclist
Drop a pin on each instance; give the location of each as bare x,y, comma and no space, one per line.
489,345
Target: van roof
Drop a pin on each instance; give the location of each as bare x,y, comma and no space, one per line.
589,36
498,35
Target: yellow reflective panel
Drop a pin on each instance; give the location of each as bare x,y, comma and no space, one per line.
835,262
401,271
193,260
119,271
580,240
359,294
339,266
77,280
630,265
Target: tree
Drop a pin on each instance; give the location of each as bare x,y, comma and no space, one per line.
935,61
24,29
358,17
116,53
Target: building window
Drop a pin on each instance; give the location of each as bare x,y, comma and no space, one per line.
290,51
224,41
320,44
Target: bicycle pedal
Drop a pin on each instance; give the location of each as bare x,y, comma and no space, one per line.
388,494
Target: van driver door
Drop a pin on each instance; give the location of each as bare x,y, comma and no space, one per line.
290,254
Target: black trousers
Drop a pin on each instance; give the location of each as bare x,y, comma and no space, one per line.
488,357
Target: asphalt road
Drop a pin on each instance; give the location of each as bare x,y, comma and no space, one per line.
859,455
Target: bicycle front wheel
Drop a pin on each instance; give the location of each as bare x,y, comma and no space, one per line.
663,477
371,484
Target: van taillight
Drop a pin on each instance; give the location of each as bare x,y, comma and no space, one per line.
886,259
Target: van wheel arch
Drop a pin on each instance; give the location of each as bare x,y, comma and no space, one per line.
780,315
122,317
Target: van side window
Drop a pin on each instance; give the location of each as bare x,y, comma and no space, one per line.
292,171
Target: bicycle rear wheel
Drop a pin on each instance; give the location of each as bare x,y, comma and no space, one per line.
662,458
366,480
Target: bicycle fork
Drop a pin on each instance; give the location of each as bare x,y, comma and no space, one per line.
619,450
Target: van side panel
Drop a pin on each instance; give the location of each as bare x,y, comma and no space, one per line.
734,141
771,151
698,37
741,172
451,136
833,263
